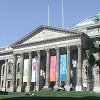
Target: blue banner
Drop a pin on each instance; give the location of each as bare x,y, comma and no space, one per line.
63,67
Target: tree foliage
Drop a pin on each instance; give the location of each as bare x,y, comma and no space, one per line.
91,60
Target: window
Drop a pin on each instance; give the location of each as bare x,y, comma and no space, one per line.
18,67
10,65
3,70
9,83
2,83
18,82
25,83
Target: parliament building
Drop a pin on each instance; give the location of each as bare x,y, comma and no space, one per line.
49,58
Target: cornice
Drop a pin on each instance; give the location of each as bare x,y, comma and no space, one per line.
87,26
6,53
65,38
93,27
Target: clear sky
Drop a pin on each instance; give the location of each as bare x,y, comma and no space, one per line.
19,17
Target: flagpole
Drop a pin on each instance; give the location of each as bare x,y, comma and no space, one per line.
48,15
62,14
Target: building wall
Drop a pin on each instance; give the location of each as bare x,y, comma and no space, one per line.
77,62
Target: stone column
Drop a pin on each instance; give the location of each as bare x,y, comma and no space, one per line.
28,87
47,69
21,87
5,76
67,86
38,71
96,79
79,70
13,87
57,68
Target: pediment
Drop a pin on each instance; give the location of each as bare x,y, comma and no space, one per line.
41,34
45,35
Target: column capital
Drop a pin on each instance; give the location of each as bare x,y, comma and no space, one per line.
21,54
6,60
68,47
14,57
47,50
79,45
30,52
38,51
57,48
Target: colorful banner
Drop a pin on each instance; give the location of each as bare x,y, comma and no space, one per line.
25,74
52,68
63,67
34,64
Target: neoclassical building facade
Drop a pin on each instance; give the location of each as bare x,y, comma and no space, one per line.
48,57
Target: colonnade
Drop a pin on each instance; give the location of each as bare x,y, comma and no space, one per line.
47,74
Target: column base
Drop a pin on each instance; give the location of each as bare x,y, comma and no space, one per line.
13,89
67,87
27,88
3,89
46,87
37,88
96,89
20,89
78,88
56,87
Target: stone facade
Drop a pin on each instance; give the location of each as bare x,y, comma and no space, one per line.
42,43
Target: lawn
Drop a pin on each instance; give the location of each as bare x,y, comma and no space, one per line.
52,95
65,94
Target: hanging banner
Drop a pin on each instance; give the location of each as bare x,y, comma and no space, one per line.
25,74
34,64
63,67
52,68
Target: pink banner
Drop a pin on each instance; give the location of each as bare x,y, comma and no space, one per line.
52,68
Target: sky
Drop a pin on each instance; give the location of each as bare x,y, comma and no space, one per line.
19,17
